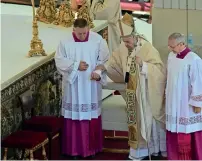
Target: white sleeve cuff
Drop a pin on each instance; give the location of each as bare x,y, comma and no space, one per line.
72,77
103,76
99,72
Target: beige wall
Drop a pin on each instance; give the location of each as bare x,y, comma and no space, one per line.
166,21
178,4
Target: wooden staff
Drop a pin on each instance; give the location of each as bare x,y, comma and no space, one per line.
33,8
120,27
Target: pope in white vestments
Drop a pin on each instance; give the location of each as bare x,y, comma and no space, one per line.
109,10
183,101
138,64
76,59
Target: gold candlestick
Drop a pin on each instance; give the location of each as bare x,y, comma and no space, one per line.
36,44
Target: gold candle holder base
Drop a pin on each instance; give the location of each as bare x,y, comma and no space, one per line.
35,52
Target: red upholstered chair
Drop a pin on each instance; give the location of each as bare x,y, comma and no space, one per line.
51,125
27,140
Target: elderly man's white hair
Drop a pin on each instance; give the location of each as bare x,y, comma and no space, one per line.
180,38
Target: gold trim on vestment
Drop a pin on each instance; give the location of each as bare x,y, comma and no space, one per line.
132,118
131,103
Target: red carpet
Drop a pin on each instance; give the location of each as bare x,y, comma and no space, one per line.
103,156
120,144
114,149
116,143
108,143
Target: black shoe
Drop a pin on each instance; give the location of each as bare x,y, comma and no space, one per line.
75,158
128,158
68,157
152,158
92,157
146,158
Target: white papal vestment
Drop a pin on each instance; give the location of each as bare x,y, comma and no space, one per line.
157,141
116,68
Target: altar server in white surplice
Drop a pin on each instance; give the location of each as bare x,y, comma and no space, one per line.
76,59
183,101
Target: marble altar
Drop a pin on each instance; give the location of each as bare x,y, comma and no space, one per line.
38,74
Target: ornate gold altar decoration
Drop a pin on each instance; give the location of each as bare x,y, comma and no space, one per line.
36,44
65,16
83,12
47,11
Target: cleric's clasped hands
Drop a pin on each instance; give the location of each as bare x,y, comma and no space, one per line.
83,66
